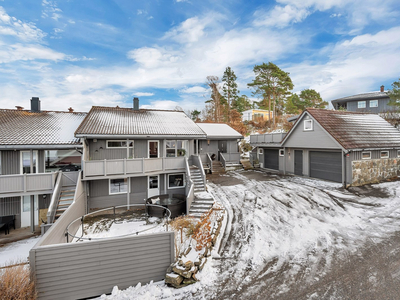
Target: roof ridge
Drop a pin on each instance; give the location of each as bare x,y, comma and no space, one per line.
141,109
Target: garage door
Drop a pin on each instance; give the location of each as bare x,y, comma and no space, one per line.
271,159
326,165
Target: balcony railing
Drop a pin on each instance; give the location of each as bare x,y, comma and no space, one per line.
267,138
25,184
134,167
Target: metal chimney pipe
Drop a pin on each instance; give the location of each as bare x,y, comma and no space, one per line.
135,103
35,104
382,88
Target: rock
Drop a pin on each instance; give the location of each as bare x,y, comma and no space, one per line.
197,262
188,281
202,264
194,277
188,265
188,250
180,262
183,272
169,270
173,279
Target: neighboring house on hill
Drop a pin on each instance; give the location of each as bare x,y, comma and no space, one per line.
131,154
348,147
374,102
221,144
256,115
34,144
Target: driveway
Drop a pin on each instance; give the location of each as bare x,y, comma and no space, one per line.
298,238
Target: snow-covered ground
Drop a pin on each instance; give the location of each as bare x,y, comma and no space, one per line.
285,233
16,252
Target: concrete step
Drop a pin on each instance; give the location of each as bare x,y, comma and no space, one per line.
200,206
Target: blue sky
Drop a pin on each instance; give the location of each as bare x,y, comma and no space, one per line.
81,53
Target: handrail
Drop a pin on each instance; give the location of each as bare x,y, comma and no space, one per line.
67,233
190,196
189,177
197,161
51,213
209,161
223,160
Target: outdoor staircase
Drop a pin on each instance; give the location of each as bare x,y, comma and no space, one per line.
217,167
201,204
195,175
66,198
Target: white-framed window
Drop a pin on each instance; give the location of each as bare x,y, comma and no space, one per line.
398,153
308,125
118,186
281,152
118,144
361,104
26,162
176,148
384,154
373,103
176,181
260,151
366,155
153,149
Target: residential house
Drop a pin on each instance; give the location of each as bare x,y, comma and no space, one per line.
373,102
34,146
221,146
131,154
256,115
348,147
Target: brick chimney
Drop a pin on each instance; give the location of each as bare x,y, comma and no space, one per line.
35,104
19,107
135,103
70,109
382,88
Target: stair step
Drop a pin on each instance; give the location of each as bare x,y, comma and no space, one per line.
200,206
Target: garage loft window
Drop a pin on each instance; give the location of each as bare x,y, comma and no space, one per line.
176,181
281,152
373,103
361,104
118,186
308,125
366,155
384,154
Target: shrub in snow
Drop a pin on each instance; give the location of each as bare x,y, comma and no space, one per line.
15,283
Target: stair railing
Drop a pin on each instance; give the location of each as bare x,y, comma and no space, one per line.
198,163
223,160
188,175
209,161
51,213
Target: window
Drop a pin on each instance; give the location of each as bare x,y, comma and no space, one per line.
26,203
260,150
54,160
384,154
118,186
176,148
361,104
398,153
176,181
153,149
373,103
26,162
308,125
281,152
119,144
366,155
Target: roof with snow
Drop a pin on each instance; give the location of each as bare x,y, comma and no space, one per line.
365,96
354,130
126,122
219,131
23,127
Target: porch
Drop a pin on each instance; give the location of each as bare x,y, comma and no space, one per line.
26,184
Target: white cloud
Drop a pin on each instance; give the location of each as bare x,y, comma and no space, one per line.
194,90
10,53
50,9
281,16
142,94
152,57
161,104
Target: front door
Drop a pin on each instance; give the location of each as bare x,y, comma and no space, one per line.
153,186
26,211
153,149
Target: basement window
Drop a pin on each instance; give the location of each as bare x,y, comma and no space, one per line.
384,154
176,181
118,186
366,155
308,125
361,104
281,152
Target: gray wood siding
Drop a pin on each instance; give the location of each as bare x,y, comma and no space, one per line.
41,159
98,151
140,147
316,138
10,162
93,268
211,149
382,106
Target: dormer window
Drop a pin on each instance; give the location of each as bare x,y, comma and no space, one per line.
361,104
308,125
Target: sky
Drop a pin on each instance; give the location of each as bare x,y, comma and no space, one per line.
80,53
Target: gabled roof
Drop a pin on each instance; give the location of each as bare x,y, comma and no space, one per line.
219,131
354,130
126,122
364,96
23,128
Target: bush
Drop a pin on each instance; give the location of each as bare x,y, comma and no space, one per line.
15,284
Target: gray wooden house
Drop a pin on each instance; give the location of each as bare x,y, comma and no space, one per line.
220,147
131,154
373,102
347,147
34,146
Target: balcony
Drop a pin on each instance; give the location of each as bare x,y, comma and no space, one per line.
267,138
26,184
95,169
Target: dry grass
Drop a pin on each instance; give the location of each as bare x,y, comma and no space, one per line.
15,284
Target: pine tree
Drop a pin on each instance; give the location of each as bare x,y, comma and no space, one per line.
394,95
229,89
311,99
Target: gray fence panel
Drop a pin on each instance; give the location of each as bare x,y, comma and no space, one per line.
88,269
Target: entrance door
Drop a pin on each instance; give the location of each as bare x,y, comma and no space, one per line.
153,186
26,211
298,162
153,149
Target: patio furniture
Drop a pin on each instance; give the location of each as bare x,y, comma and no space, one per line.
6,222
